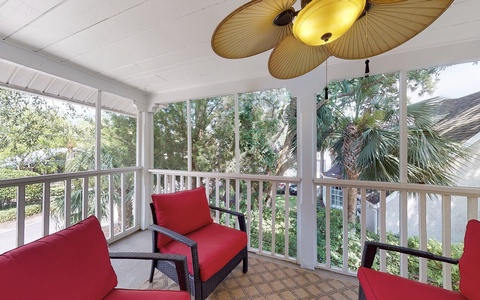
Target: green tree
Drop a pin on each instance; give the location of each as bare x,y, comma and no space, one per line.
35,133
118,150
263,127
213,134
170,137
119,139
365,132
261,130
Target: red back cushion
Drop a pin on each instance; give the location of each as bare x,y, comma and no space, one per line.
70,264
470,262
182,212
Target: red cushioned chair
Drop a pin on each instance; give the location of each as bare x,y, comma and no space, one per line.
183,225
379,285
74,264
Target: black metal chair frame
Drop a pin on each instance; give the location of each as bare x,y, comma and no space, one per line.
370,250
200,289
179,263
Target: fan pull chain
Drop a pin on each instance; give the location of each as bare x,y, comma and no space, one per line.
326,80
367,66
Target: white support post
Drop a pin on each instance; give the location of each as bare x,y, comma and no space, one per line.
146,163
422,232
306,161
46,208
237,136
447,240
403,126
189,135
403,218
98,163
21,215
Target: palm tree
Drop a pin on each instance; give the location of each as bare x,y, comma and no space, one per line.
84,161
365,132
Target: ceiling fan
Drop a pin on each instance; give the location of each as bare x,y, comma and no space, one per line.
302,40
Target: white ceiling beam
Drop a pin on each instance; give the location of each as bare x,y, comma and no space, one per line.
37,62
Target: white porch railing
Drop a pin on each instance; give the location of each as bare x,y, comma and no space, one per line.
70,197
411,208
273,236
270,209
277,237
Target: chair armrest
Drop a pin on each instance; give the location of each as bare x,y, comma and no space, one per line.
180,262
241,216
179,238
370,250
173,235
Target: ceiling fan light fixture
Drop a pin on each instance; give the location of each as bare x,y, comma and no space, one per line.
323,21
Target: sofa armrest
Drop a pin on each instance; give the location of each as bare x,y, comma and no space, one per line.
370,250
241,216
180,262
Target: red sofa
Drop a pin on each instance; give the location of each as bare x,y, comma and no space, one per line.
375,285
74,263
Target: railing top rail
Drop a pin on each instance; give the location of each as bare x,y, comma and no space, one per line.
397,186
62,176
226,175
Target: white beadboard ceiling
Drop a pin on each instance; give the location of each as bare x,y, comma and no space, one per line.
143,51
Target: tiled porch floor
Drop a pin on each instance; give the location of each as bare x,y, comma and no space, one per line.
267,278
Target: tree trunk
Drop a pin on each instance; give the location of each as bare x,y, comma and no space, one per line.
350,151
288,155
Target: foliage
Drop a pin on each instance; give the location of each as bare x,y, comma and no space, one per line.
170,137
280,227
336,241
434,267
8,195
213,137
371,105
392,259
119,136
85,161
262,130
11,213
262,127
359,122
36,134
51,137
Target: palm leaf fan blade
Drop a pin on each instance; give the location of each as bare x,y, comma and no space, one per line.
385,1
386,26
250,30
292,58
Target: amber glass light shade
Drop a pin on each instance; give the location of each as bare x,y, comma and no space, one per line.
323,21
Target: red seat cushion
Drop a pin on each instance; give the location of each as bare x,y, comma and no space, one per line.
378,285
216,245
124,294
71,264
470,262
182,212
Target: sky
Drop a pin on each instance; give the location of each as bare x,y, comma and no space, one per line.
458,81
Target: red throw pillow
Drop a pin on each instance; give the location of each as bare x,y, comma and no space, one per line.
470,262
182,212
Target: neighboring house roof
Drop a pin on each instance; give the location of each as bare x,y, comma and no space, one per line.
336,171
460,122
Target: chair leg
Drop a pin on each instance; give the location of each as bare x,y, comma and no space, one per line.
152,270
361,294
245,264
